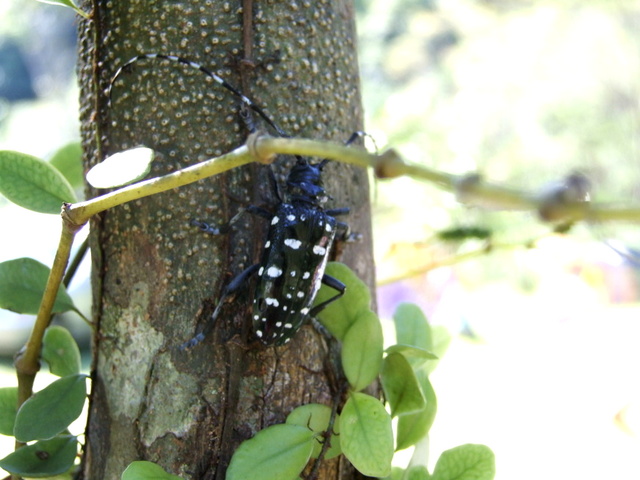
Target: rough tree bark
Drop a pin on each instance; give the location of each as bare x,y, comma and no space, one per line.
156,278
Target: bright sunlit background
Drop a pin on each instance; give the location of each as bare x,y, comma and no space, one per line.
543,363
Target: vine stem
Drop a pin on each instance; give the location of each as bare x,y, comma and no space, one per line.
552,205
469,189
27,361
79,213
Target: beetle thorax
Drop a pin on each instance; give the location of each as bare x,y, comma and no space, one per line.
304,184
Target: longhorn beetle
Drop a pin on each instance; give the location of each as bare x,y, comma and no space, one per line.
297,247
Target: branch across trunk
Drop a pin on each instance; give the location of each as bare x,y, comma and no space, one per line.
156,278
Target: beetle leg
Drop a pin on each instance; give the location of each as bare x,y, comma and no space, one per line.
360,134
334,283
223,229
228,295
345,234
274,185
261,212
206,228
334,212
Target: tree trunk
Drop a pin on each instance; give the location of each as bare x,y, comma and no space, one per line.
156,278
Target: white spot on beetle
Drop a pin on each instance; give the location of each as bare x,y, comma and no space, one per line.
278,324
261,271
274,272
328,227
256,317
293,243
268,244
291,217
304,311
300,294
288,325
272,301
275,220
259,333
293,273
319,250
306,275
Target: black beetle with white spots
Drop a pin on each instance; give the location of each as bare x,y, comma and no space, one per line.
298,244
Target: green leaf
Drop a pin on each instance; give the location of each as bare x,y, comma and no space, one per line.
440,340
8,409
61,352
401,386
338,316
362,348
52,409
121,168
22,284
62,3
316,417
417,472
279,452
42,459
33,183
366,437
146,471
412,327
68,161
466,462
413,427
66,3
397,473
411,352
